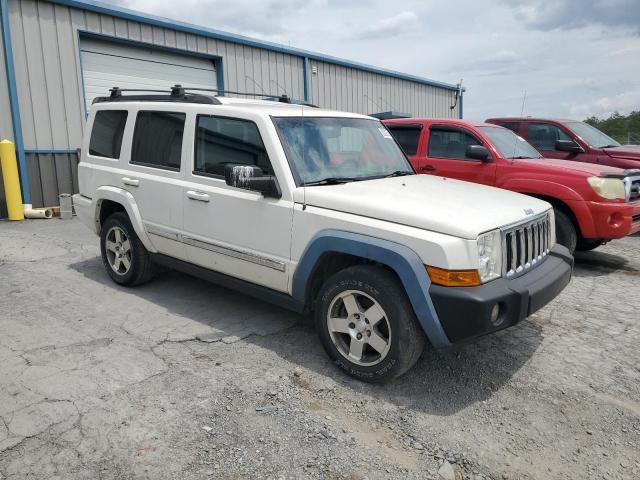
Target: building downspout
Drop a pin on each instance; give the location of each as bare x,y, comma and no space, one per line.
13,100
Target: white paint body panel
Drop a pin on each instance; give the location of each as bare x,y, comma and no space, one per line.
245,235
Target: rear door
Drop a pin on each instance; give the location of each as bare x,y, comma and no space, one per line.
155,174
408,137
446,156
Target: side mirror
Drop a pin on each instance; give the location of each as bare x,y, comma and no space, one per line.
478,152
568,146
250,177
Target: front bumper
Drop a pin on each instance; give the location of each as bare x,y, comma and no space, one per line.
465,312
615,220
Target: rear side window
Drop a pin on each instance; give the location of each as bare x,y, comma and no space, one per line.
513,126
408,137
157,140
448,143
221,141
106,134
543,136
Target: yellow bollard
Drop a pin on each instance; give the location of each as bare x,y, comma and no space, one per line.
12,191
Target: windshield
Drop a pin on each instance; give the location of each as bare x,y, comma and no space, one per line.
592,136
340,149
509,144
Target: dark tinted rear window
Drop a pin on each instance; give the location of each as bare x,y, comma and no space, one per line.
157,140
513,126
106,134
407,137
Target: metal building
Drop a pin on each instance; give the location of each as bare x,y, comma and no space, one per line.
59,54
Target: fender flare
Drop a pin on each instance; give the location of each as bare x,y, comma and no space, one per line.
401,259
125,199
541,187
561,193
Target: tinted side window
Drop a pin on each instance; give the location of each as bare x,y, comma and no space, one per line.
444,143
220,141
106,134
157,139
543,136
513,126
407,137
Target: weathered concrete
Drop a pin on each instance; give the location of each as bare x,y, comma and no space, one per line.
182,379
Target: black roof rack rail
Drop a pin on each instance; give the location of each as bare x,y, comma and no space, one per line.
178,93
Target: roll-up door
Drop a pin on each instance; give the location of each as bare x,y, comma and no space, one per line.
108,64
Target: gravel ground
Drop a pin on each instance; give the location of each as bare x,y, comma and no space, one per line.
183,379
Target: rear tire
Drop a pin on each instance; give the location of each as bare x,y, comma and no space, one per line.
565,231
124,257
367,324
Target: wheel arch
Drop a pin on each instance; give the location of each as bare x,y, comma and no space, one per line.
331,249
108,200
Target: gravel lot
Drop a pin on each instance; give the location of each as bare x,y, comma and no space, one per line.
183,379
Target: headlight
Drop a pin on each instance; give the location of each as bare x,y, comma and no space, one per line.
490,255
609,188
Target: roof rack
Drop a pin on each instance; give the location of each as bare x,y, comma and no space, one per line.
178,93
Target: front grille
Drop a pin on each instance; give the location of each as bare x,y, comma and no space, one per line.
526,244
635,189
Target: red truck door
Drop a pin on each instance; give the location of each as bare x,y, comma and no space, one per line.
543,137
446,156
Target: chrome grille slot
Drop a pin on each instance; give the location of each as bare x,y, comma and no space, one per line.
526,244
635,190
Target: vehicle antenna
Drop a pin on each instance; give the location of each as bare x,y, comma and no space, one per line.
515,140
256,84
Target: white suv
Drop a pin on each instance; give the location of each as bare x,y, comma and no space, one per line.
317,211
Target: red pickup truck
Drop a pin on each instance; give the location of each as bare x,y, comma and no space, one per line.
572,140
593,203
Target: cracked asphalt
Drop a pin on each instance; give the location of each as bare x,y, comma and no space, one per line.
183,379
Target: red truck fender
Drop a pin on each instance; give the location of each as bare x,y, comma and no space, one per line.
559,196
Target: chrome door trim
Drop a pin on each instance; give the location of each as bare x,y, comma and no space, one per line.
216,248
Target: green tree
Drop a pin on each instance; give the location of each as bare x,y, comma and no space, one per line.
624,128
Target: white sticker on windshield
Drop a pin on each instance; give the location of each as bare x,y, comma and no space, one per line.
385,133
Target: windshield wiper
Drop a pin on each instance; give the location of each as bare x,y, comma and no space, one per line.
329,181
522,157
398,173
609,146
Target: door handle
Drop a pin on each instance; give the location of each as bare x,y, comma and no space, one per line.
134,182
428,168
199,196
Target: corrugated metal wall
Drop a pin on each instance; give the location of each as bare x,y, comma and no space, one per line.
353,90
46,40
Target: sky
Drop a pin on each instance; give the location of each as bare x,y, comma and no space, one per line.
558,58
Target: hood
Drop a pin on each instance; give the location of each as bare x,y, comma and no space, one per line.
569,167
443,205
625,151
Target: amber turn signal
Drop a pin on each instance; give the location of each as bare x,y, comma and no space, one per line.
454,278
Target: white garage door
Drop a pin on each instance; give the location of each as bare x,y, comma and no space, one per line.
110,64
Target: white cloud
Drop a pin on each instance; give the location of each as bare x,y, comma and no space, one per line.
568,55
393,26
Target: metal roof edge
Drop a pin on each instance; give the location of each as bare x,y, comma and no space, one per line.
133,15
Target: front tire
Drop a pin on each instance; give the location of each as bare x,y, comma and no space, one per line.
585,245
565,231
367,325
124,257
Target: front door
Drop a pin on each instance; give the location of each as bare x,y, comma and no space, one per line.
233,231
446,156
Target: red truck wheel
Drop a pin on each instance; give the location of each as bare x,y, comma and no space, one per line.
565,231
